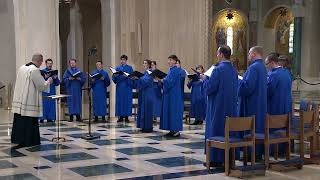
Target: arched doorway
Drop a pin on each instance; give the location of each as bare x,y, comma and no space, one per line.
280,20
80,30
230,28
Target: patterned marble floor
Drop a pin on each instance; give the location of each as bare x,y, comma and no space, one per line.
122,152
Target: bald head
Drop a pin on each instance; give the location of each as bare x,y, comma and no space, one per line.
37,59
255,52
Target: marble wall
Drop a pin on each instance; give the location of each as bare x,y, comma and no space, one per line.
178,27
36,30
167,27
134,31
7,42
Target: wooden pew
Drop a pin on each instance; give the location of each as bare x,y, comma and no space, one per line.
239,124
307,131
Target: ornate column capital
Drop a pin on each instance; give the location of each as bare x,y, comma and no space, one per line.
298,9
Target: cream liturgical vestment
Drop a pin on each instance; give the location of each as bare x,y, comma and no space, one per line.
27,98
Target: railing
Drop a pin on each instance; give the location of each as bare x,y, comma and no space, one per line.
300,80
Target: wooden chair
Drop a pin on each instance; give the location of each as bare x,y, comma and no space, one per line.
277,131
296,108
316,108
271,136
306,131
233,125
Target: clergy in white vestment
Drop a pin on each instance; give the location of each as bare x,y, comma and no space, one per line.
27,103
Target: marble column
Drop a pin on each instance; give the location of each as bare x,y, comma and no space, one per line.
297,46
253,25
298,12
208,28
110,21
36,30
7,43
75,37
310,66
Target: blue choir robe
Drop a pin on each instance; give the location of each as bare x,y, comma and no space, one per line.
198,100
73,88
279,92
279,95
157,98
238,102
144,86
221,91
290,93
253,96
172,107
183,75
123,91
49,105
253,93
99,93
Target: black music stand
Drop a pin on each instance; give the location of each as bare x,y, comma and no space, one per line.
89,135
57,99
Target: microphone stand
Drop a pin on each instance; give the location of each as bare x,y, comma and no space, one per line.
89,136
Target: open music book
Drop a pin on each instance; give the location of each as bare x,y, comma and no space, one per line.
114,71
49,73
77,74
136,74
209,71
96,75
195,76
58,96
157,73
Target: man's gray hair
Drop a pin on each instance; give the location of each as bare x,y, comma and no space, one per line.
37,57
258,50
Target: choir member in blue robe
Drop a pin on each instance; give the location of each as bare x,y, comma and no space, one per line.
198,98
279,90
49,105
284,62
221,90
144,86
253,91
183,77
99,92
74,88
123,91
172,106
157,98
278,87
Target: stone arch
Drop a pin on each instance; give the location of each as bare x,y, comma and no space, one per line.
280,21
